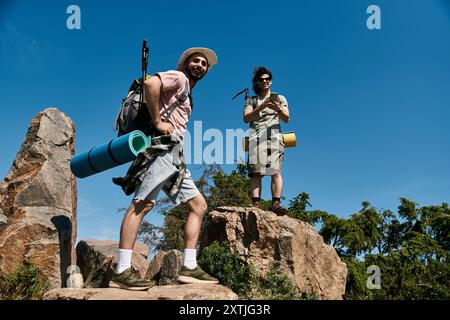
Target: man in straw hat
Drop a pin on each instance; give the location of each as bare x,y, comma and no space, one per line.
162,92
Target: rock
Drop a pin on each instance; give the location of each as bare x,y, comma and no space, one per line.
171,266
3,220
98,258
38,197
174,292
266,240
154,267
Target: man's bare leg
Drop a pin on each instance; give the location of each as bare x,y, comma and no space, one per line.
128,232
132,221
277,185
255,189
196,210
124,276
276,188
255,185
190,272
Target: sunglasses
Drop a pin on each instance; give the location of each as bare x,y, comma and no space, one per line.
264,79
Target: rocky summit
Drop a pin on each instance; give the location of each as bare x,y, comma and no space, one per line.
38,200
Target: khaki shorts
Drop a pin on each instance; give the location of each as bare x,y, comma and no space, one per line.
265,157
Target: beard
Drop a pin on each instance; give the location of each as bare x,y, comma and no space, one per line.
192,76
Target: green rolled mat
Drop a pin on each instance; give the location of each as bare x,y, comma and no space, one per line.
109,155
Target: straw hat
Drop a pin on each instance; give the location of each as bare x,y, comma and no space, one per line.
208,53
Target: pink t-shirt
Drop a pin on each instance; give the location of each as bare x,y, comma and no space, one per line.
174,84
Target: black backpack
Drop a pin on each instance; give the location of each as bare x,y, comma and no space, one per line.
133,113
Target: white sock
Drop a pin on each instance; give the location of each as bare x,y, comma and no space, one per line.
124,261
190,258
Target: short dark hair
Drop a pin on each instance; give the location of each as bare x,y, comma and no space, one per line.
257,73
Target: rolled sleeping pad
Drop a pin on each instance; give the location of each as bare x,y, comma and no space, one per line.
109,155
289,139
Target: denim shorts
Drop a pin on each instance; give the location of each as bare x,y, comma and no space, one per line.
159,174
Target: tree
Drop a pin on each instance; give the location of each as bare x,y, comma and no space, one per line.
413,255
369,221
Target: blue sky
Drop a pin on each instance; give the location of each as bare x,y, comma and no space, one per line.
370,108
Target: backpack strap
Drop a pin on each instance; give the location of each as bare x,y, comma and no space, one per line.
254,101
181,98
167,112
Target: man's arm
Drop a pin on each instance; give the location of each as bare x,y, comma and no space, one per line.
281,108
152,91
284,113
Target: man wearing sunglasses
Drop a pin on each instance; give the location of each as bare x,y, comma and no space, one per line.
266,147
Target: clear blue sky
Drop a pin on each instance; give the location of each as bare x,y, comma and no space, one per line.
370,108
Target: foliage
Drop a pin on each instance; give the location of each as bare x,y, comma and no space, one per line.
220,261
278,286
173,229
221,189
410,248
223,263
356,286
27,283
150,235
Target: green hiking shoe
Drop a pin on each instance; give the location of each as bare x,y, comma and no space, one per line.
196,275
130,280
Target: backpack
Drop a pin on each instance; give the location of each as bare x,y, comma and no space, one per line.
133,113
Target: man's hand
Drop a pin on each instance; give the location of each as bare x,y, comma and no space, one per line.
274,105
165,127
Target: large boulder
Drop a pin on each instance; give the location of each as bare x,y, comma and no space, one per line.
38,200
267,240
98,258
193,291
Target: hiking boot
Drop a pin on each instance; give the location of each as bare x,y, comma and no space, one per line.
278,209
256,204
130,280
196,275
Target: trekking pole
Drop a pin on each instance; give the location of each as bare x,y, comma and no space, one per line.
144,66
241,92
